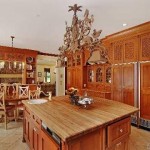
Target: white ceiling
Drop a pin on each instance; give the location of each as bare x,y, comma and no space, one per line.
40,24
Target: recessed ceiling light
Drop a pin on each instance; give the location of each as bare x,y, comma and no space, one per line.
124,24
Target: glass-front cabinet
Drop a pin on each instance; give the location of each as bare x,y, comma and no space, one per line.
108,74
90,75
99,75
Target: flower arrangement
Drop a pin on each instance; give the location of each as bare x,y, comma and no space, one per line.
71,91
73,95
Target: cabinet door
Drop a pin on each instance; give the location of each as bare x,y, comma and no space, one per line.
27,129
117,83
145,91
47,143
69,77
118,52
123,83
35,137
131,47
128,84
78,78
123,145
144,52
90,141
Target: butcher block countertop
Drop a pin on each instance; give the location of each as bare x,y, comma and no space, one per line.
69,121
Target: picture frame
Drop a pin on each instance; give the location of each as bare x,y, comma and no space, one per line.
39,74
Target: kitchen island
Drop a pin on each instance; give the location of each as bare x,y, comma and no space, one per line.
59,125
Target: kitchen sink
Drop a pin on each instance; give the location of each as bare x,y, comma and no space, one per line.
37,101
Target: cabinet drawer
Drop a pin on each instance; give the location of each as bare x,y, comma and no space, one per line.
36,120
117,131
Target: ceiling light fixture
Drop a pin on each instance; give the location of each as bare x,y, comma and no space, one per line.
78,36
124,24
12,37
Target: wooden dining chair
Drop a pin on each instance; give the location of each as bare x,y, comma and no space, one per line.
34,94
11,90
23,91
6,111
23,94
2,87
34,91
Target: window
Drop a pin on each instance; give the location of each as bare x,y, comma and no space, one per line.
47,77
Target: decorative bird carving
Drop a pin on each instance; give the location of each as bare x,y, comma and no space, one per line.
92,18
86,14
96,34
75,8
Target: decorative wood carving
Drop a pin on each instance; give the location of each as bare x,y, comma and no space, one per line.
15,57
110,52
118,50
131,50
135,44
145,47
11,67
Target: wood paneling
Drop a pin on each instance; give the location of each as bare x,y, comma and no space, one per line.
144,52
145,91
131,47
118,52
117,83
128,84
123,83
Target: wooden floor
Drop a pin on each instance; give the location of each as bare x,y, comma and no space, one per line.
11,139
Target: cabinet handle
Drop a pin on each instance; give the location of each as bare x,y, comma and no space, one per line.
118,144
121,130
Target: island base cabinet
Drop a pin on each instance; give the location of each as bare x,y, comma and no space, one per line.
34,135
31,131
90,141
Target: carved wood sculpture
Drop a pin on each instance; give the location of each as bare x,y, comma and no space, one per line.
77,35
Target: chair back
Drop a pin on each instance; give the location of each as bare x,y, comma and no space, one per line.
34,91
11,90
23,91
2,87
33,94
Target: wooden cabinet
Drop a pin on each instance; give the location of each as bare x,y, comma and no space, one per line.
122,145
131,46
144,51
123,83
47,143
90,77
91,141
34,135
145,91
75,70
104,125
118,134
32,130
118,48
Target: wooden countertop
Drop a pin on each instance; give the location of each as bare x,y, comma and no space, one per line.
69,121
